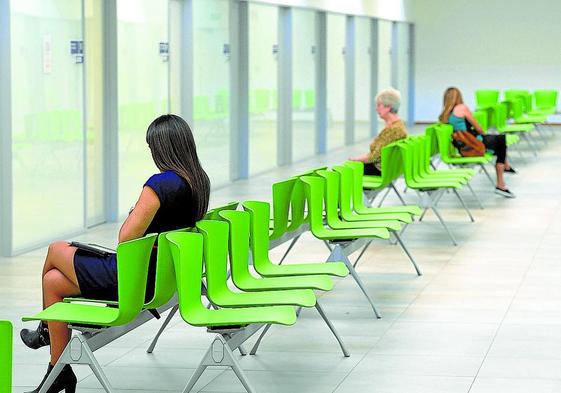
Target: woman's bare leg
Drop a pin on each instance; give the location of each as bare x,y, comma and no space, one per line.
59,281
500,169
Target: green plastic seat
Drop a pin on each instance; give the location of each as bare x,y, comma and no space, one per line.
213,214
345,202
187,252
6,354
132,271
546,102
215,252
314,187
239,222
486,101
444,136
332,197
414,160
520,118
504,128
259,216
357,187
282,192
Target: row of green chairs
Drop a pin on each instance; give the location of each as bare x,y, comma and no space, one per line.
6,353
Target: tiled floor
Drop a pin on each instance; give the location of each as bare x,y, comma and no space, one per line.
484,317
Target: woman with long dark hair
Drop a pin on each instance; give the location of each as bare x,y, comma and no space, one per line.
456,113
177,197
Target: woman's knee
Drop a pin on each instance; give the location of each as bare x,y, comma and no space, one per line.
57,248
56,283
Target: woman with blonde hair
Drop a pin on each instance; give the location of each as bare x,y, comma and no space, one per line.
387,105
457,114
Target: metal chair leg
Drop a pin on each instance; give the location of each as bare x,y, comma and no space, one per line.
398,238
332,328
475,196
464,205
258,342
289,248
162,328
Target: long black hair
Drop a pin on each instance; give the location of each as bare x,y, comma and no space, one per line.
173,148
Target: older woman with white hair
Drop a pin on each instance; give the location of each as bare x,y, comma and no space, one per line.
387,105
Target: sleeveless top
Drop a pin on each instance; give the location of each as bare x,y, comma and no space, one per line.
458,123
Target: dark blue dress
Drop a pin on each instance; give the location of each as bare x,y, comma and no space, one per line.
97,275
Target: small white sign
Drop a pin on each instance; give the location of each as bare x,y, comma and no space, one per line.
47,54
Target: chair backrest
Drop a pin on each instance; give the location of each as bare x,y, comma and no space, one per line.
164,284
258,232
314,187
486,98
517,105
298,214
501,115
525,97
133,258
483,119
212,214
331,194
215,256
345,189
238,244
282,195
444,136
432,138
187,252
6,354
545,99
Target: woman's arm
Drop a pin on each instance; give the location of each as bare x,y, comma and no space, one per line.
469,116
141,216
363,158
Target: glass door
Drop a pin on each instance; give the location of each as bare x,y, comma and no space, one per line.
304,50
336,33
384,59
363,65
211,97
263,91
142,28
47,122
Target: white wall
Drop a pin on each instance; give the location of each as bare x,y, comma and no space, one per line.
484,44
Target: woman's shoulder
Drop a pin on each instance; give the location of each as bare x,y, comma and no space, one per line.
460,110
167,179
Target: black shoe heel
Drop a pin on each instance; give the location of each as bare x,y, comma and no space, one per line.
66,381
37,338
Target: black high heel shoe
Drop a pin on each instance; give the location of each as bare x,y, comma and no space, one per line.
66,381
37,338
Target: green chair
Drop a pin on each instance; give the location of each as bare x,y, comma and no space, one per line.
239,223
546,102
232,326
358,182
486,100
429,190
132,271
333,220
514,129
447,154
309,99
314,187
259,217
6,353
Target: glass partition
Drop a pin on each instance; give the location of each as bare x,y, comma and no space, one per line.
142,29
384,59
93,36
263,91
336,33
211,87
303,84
403,68
47,120
362,78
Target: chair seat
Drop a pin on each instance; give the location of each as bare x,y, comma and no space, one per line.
85,314
467,160
320,271
375,216
253,284
516,128
352,234
200,316
542,112
530,119
392,225
293,297
411,209
512,139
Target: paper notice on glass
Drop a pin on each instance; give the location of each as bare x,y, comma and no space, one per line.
47,54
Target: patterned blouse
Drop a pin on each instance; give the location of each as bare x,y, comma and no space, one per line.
388,135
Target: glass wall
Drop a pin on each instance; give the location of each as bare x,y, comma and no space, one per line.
142,29
362,78
384,58
403,68
304,50
263,90
47,125
336,33
211,96
93,47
